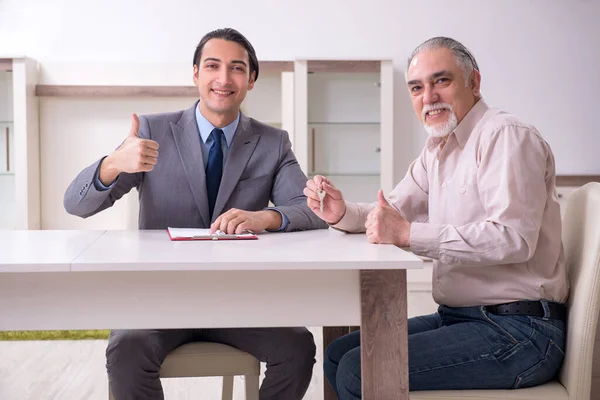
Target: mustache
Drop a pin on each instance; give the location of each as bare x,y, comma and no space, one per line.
435,106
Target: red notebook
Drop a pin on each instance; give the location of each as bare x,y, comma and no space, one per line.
204,234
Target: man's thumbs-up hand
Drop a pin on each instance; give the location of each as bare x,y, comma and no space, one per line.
135,126
381,201
385,225
133,155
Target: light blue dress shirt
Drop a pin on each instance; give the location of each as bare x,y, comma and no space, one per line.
205,128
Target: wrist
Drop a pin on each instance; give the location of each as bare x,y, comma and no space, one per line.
340,218
404,237
108,171
273,219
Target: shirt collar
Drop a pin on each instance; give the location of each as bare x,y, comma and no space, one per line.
206,128
464,128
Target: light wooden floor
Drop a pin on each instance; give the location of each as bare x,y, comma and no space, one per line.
74,370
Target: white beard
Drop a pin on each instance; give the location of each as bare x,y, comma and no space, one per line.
444,129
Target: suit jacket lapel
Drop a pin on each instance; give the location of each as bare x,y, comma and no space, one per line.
187,139
244,143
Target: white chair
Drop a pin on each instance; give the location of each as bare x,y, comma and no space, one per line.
581,239
200,359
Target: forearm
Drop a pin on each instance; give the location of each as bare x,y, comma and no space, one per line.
481,243
83,198
301,217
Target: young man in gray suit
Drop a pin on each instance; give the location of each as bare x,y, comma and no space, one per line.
207,166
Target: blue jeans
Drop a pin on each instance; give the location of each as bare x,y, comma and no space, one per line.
462,348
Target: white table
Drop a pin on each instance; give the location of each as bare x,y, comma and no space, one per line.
42,251
140,279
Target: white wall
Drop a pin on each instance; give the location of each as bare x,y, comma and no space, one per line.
538,57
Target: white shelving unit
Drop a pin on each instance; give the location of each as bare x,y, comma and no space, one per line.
344,124
271,100
7,140
7,178
19,145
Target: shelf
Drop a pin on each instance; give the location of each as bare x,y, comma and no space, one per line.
6,122
115,91
6,64
576,180
275,66
142,91
6,173
343,66
189,91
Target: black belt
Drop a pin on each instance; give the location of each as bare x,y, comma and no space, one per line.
533,308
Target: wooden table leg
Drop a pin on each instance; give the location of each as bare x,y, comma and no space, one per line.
330,333
384,335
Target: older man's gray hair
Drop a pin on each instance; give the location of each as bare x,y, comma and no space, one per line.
464,58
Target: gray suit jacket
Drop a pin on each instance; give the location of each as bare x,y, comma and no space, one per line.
260,166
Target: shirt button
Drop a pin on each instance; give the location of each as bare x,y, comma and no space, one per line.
463,190
444,184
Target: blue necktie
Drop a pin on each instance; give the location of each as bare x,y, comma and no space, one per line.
214,169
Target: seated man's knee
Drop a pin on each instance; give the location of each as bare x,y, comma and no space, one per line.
305,349
128,352
338,349
335,351
348,379
330,364
331,358
298,350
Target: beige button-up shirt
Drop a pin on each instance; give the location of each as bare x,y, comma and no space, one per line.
483,205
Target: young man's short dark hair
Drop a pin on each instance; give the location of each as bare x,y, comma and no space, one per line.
233,36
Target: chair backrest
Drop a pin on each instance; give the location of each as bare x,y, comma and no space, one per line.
581,241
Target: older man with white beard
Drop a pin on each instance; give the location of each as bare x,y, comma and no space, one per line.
481,201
